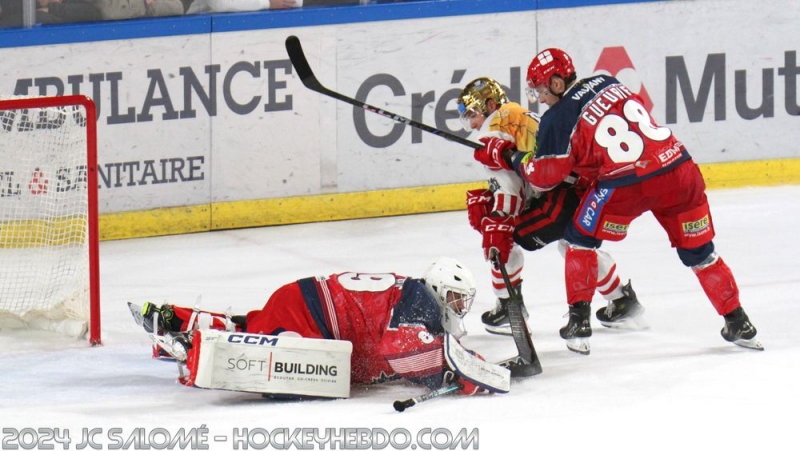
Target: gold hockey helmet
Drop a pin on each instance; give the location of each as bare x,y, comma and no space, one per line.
473,98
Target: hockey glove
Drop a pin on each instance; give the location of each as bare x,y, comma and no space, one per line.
479,205
498,236
492,155
467,387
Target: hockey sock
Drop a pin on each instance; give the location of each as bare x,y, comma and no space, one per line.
516,260
719,285
580,274
608,283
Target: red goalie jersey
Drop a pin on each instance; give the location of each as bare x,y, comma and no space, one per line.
393,322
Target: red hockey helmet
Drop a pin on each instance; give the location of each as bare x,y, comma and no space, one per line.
547,63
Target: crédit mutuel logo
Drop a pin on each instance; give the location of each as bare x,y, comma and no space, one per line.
614,61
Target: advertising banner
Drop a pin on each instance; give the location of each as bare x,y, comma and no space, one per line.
201,119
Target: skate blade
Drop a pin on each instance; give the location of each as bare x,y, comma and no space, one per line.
168,344
498,330
579,345
502,330
749,344
136,311
634,323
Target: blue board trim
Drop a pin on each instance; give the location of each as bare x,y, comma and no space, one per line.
289,18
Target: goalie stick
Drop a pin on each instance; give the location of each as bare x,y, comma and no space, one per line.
309,80
527,362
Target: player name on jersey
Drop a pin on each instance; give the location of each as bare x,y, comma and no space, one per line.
603,103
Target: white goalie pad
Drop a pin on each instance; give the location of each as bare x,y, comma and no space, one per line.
489,376
270,364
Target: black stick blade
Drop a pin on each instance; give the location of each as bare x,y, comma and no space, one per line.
519,328
298,59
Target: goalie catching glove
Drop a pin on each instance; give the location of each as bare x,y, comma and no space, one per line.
493,154
498,236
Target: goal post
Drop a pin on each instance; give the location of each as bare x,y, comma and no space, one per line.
49,239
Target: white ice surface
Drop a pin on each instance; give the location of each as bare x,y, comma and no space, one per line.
676,385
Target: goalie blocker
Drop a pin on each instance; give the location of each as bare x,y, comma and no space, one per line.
269,364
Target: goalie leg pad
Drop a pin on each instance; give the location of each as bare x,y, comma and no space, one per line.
270,364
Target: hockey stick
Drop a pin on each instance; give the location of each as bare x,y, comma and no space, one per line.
527,363
300,63
401,405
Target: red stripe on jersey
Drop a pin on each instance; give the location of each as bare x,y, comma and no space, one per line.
508,204
516,204
330,310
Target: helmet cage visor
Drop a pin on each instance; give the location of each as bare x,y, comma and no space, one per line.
535,93
458,300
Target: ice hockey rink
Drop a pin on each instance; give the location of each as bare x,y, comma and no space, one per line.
676,385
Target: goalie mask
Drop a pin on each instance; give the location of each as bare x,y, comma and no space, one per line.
453,287
473,98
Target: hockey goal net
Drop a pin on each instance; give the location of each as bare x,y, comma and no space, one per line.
49,264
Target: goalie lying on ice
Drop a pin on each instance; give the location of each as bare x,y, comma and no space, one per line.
317,335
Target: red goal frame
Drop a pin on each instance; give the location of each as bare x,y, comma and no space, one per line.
92,187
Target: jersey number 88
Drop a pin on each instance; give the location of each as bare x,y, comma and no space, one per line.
622,144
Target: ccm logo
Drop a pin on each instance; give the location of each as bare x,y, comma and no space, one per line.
499,228
253,339
479,200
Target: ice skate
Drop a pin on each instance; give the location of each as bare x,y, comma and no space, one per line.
496,320
623,313
740,331
156,321
578,328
